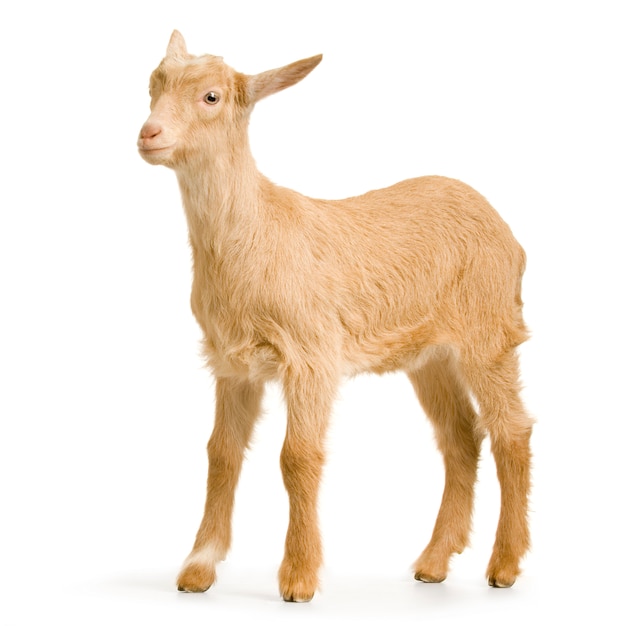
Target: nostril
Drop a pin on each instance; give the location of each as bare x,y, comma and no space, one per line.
150,131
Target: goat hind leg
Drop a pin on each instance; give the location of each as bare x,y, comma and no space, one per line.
237,407
503,415
447,404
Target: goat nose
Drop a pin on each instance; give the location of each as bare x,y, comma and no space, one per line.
149,131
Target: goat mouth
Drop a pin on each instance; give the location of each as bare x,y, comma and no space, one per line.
144,150
156,156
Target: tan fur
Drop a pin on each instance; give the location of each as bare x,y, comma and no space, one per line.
422,277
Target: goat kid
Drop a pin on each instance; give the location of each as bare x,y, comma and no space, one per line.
422,277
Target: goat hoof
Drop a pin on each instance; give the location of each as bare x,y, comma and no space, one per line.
500,583
297,593
297,599
195,578
191,590
501,572
297,586
429,578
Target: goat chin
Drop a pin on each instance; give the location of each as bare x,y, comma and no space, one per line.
422,277
157,156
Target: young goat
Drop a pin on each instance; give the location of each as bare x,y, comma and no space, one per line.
422,277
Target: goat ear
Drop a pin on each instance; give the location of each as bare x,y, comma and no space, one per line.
267,83
177,48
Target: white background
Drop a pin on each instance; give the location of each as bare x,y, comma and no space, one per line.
105,406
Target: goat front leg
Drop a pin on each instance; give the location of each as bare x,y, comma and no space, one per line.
238,404
309,400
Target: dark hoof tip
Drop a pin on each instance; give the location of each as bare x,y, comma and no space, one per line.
187,590
426,578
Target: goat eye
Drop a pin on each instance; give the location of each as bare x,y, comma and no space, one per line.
211,98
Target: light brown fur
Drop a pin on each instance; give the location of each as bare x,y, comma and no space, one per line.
422,277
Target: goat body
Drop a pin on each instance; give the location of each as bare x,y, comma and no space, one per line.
422,277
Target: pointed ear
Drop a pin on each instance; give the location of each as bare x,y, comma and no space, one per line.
267,83
177,47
